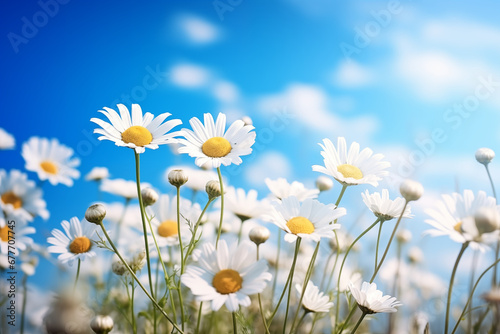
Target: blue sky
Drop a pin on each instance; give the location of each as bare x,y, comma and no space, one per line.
283,63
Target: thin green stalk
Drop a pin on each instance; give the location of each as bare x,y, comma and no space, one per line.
77,274
472,294
179,288
235,328
292,270
25,297
351,313
134,324
497,250
195,230
288,281
277,262
450,288
377,246
306,280
221,207
198,321
491,181
260,301
337,253
389,243
471,285
358,323
344,187
337,304
395,287
155,303
300,320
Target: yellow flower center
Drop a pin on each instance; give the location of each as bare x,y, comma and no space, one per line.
4,233
80,245
138,135
216,147
300,225
227,281
350,171
458,227
168,229
49,167
11,198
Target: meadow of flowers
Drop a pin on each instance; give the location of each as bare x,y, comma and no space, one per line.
222,259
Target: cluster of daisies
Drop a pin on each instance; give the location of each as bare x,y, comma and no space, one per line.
210,257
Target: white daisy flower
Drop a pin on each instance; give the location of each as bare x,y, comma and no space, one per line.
371,300
97,174
197,178
385,208
351,167
308,220
165,219
227,275
454,216
244,205
17,233
138,131
51,161
210,143
74,243
20,197
314,300
280,188
7,141
121,187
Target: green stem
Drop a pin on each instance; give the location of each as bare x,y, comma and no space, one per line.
344,187
25,297
198,321
471,284
497,250
221,207
337,306
276,263
292,270
77,274
389,243
179,288
378,243
450,288
491,181
337,253
155,303
300,320
395,287
260,302
134,324
195,230
289,280
472,294
351,313
358,323
235,328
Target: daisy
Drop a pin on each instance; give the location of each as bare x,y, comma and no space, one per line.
51,161
454,216
7,141
383,207
244,205
227,275
20,197
353,167
370,300
210,143
138,131
97,174
314,300
74,243
165,219
121,187
282,189
309,219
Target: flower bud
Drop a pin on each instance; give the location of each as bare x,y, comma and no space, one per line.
149,196
118,267
259,234
95,214
415,255
492,296
213,189
102,324
487,220
411,190
484,155
177,177
404,236
324,183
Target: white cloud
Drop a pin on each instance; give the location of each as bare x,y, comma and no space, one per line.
225,91
269,164
197,30
350,74
189,75
311,107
